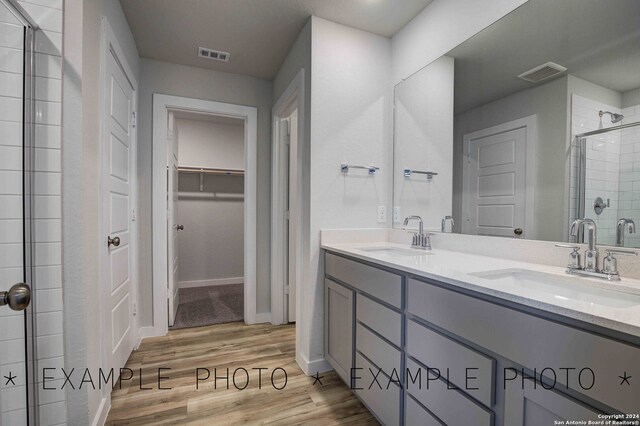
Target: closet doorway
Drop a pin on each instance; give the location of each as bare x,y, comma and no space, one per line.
205,251
206,219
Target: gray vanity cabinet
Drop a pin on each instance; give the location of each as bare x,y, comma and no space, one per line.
538,406
380,319
338,318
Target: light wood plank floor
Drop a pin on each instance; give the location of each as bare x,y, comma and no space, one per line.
232,346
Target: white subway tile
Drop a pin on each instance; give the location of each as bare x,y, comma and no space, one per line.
11,36
46,183
49,66
11,158
11,231
47,207
49,300
47,230
10,182
48,112
11,132
56,4
48,42
48,89
11,60
10,84
48,254
48,277
53,414
48,322
50,346
11,109
47,136
47,160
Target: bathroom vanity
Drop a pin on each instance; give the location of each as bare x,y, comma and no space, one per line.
423,338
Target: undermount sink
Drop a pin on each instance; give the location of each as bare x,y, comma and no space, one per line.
395,251
568,289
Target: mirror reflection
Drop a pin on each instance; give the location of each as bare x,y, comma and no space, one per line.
527,126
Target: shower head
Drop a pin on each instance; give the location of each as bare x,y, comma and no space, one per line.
615,118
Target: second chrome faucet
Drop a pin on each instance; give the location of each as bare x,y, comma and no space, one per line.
591,266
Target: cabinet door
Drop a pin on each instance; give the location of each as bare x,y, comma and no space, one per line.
339,323
534,407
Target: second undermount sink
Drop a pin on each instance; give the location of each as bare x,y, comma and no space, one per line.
561,288
395,251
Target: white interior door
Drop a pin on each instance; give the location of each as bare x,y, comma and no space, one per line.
117,214
172,218
293,215
496,172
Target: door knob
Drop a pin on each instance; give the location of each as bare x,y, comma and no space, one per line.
518,231
18,297
113,241
180,227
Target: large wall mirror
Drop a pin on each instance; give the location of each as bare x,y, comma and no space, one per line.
528,125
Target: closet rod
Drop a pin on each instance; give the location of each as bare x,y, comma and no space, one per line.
211,171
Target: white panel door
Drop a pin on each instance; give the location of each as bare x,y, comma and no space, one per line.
117,213
172,218
497,184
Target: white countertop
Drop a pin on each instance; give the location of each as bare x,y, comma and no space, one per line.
455,268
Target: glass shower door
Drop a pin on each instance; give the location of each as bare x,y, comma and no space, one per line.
16,326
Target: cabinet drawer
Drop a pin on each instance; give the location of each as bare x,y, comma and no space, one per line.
453,359
376,282
449,405
377,350
384,403
533,342
383,320
415,415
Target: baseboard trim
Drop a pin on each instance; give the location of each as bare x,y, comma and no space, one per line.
103,411
207,283
310,368
145,332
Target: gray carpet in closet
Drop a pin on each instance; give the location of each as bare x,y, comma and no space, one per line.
202,306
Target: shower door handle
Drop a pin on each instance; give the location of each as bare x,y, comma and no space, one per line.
17,298
179,227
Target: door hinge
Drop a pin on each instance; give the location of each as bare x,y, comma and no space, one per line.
286,289
287,215
135,309
169,134
133,119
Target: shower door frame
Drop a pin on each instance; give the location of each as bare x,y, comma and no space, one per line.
28,130
582,167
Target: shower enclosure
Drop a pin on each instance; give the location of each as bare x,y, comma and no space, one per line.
606,181
18,398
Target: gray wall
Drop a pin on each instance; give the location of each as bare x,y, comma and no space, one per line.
178,80
631,98
549,102
211,246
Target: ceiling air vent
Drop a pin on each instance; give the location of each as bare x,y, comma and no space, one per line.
216,55
542,72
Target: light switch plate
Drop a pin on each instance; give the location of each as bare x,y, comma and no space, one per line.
397,217
382,214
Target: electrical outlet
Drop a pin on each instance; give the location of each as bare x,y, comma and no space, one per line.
382,214
397,217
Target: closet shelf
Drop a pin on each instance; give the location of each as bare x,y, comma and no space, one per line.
211,171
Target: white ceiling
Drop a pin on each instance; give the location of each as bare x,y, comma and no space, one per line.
597,40
257,33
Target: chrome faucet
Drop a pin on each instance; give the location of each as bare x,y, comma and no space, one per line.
591,268
591,255
623,223
421,239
